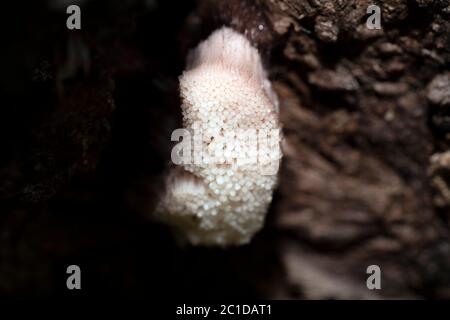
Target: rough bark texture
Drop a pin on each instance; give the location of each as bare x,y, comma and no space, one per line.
85,135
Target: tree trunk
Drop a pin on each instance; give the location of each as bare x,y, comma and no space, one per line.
85,135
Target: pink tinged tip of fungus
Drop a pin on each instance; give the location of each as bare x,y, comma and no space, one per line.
224,89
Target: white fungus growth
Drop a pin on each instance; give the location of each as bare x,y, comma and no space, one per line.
223,200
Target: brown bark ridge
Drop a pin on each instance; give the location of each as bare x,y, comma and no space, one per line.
364,176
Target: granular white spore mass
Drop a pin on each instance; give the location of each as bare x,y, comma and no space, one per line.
225,92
